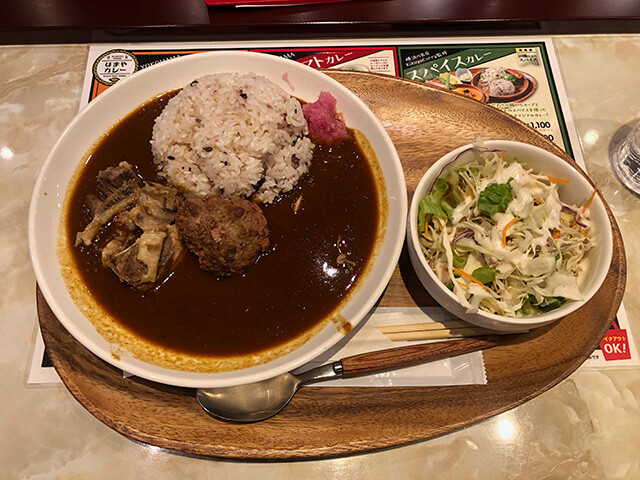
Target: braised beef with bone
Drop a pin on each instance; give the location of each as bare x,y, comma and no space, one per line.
146,247
143,245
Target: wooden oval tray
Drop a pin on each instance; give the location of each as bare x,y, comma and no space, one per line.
424,123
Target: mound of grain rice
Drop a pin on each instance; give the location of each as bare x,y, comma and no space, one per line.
501,87
232,135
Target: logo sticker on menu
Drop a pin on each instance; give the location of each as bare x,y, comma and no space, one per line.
527,55
114,65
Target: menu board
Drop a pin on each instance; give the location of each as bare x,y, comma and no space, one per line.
515,78
519,77
524,85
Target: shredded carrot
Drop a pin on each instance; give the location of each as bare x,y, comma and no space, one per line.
441,227
466,275
584,209
469,192
557,234
500,163
504,231
558,180
551,179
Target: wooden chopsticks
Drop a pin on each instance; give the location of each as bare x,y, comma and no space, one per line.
436,330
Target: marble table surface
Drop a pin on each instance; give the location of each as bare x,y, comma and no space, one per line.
587,427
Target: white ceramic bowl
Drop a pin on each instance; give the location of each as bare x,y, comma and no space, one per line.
124,97
576,192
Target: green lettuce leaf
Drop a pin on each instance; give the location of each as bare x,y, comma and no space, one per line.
551,303
495,198
531,307
484,275
458,261
433,204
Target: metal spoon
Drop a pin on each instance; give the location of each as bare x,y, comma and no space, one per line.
258,401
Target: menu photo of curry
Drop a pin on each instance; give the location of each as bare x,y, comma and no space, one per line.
487,85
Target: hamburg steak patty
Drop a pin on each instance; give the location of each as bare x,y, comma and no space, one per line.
226,235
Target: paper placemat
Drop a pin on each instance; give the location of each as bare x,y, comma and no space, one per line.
428,60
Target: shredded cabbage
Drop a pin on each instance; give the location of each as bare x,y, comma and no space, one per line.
498,236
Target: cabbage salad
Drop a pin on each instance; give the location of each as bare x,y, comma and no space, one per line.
498,236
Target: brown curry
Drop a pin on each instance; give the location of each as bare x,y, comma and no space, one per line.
322,236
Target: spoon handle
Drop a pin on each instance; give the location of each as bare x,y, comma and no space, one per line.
391,358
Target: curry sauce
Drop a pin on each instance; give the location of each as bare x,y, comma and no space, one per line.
322,236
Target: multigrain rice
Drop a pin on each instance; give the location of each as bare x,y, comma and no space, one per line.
231,135
501,87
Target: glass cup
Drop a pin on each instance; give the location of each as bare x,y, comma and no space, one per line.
625,160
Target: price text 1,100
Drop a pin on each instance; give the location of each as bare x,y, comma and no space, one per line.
540,124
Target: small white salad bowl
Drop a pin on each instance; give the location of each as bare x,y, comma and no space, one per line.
576,192
117,102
